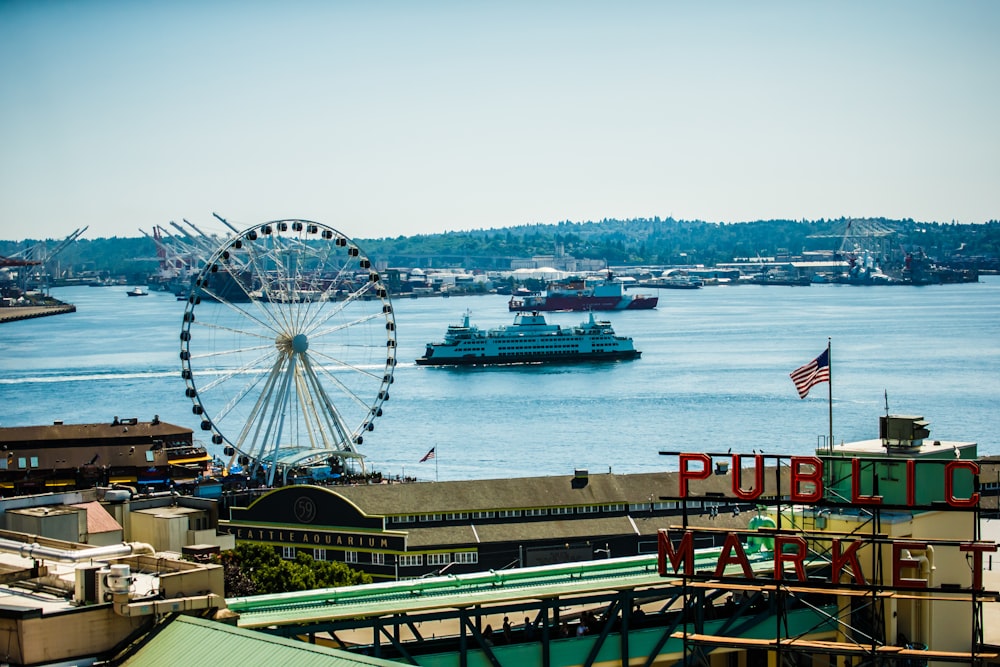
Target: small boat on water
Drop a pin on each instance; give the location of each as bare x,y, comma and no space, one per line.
674,279
583,295
137,291
530,340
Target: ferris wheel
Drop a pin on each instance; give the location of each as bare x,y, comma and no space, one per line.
288,346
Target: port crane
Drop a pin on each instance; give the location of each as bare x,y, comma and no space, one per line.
37,255
182,254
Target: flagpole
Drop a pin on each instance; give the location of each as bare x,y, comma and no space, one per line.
435,463
829,389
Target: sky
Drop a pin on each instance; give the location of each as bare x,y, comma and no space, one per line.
383,119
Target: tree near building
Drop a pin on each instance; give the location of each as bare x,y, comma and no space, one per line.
257,569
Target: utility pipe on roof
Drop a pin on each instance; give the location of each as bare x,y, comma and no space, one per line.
37,551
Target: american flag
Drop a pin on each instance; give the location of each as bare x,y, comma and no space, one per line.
428,456
812,374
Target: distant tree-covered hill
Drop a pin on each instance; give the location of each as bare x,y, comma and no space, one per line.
668,241
642,241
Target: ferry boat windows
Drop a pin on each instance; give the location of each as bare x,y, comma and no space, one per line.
467,557
438,559
411,561
350,556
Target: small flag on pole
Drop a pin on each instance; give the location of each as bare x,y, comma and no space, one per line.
428,456
812,374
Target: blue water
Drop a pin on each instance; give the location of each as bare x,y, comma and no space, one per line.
713,375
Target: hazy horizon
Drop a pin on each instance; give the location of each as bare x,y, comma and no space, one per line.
392,118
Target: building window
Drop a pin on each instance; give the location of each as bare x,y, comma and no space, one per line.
467,557
617,507
350,556
542,512
562,510
407,518
378,559
438,559
430,517
319,554
509,514
588,509
665,505
483,515
456,516
288,553
411,561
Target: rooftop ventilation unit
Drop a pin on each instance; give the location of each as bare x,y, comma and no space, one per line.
902,431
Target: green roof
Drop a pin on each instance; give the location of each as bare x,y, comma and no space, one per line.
188,640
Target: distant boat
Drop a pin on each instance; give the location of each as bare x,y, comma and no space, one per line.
137,291
530,340
777,277
675,280
582,295
682,282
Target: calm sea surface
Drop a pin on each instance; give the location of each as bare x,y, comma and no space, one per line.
713,375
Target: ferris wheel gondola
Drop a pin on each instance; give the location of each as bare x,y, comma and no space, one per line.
288,346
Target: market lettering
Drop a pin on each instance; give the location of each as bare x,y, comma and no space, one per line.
807,478
909,558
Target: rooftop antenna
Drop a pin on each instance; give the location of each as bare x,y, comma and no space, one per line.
886,402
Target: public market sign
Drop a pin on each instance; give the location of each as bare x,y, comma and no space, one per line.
842,551
807,478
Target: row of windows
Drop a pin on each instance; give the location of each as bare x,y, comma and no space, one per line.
25,462
403,560
512,514
22,462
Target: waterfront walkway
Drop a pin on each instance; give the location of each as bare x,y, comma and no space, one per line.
15,313
618,611
613,611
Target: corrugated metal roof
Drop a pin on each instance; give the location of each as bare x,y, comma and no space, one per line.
188,640
595,528
24,435
528,492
